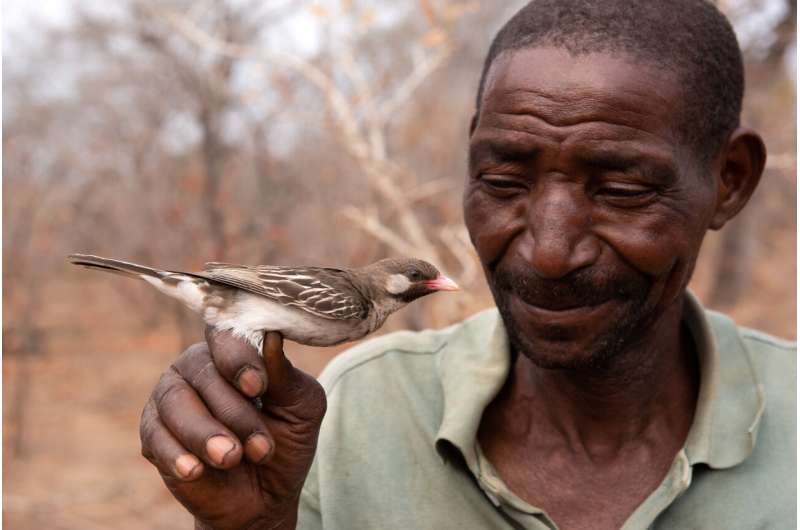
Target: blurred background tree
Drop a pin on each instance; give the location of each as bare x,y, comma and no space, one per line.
174,132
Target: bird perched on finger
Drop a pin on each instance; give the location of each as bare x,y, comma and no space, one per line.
317,306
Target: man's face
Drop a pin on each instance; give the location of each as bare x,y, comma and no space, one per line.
586,209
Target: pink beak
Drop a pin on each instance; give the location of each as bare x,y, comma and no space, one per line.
442,283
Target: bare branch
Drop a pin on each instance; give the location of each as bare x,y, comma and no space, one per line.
428,189
370,150
371,224
382,180
454,239
411,83
364,97
337,101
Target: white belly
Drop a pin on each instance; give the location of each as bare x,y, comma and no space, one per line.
251,315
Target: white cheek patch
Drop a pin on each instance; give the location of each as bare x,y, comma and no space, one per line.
397,283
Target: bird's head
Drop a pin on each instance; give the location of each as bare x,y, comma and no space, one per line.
407,279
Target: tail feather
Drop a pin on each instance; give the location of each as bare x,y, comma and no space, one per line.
186,287
115,266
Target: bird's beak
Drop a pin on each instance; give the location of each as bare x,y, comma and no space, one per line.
442,283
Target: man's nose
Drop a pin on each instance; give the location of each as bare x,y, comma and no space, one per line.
559,238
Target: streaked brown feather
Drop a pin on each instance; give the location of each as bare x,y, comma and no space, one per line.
324,292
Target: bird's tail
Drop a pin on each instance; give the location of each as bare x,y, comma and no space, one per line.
191,289
115,266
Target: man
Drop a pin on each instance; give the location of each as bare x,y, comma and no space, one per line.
599,394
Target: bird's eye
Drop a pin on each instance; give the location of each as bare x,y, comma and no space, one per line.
414,275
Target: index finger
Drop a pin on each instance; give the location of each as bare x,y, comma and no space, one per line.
237,361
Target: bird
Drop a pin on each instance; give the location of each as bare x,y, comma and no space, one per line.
315,306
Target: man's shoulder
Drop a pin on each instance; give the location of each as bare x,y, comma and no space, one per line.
766,344
774,359
399,354
760,345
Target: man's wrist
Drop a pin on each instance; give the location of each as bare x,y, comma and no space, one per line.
280,522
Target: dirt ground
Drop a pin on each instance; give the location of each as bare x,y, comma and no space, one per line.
71,448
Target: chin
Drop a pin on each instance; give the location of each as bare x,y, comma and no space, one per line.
552,349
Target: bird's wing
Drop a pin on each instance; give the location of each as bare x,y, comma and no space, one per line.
323,292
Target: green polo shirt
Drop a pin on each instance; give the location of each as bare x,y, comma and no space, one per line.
398,446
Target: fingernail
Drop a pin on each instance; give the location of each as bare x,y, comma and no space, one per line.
218,447
187,466
251,383
257,447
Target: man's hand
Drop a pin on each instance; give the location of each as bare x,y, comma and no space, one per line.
231,465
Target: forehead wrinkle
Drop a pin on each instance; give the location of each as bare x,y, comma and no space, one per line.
498,143
656,82
564,110
501,139
620,138
633,148
532,126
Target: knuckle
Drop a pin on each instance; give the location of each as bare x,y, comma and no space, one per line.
196,349
168,379
147,421
319,408
205,377
238,418
317,403
170,394
146,429
148,454
194,355
147,413
213,335
229,348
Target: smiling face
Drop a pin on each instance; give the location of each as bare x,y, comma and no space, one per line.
585,208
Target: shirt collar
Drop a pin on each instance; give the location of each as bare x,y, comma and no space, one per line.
731,398
475,363
473,366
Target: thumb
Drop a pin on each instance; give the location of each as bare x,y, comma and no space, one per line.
286,386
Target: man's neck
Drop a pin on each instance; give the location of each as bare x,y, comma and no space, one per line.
648,393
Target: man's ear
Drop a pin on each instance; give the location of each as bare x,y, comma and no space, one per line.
741,165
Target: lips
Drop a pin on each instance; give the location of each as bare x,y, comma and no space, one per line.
575,315
556,305
559,297
579,290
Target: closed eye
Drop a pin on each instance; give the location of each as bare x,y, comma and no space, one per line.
627,195
502,183
624,191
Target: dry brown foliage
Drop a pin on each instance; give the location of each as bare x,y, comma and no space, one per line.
175,132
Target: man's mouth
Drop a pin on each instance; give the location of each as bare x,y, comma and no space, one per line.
583,297
561,304
559,313
560,299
